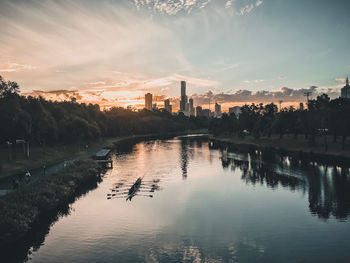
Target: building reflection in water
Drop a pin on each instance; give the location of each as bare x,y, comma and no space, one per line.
184,157
327,186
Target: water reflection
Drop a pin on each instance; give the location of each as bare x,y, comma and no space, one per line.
225,210
327,186
184,157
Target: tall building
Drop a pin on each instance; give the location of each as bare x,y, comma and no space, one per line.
207,113
217,110
183,88
301,106
148,101
167,106
345,92
198,111
190,107
183,101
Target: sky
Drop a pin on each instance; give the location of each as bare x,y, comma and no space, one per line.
112,52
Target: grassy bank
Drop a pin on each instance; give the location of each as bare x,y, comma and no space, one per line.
20,210
301,146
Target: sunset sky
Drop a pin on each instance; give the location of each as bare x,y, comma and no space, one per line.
112,52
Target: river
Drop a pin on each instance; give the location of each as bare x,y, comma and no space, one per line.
202,203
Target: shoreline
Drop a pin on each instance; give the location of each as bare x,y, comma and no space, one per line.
287,146
68,154
21,210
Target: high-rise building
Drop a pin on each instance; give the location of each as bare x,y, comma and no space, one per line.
198,111
301,106
345,92
167,106
183,101
148,101
183,88
206,113
190,107
217,110
154,107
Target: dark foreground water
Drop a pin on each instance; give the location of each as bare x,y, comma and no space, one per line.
207,205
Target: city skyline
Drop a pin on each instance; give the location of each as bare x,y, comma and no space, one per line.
235,52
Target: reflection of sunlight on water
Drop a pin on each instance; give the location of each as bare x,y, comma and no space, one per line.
215,215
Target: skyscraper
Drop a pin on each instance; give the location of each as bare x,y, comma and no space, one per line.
217,110
183,88
191,108
167,106
183,101
345,92
198,111
148,101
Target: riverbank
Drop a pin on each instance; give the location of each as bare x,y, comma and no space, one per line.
20,210
288,145
60,153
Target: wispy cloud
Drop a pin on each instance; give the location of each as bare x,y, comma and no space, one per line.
171,7
342,80
15,67
246,96
249,7
255,81
80,43
228,3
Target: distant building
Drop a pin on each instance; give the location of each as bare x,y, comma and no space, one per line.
198,111
74,100
345,92
148,101
167,106
207,113
236,110
154,107
301,106
217,110
191,108
183,101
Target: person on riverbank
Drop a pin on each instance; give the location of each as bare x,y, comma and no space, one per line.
28,175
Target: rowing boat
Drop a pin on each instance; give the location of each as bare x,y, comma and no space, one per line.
134,188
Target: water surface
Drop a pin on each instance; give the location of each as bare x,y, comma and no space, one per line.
199,203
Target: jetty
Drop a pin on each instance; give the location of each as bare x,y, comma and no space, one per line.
103,157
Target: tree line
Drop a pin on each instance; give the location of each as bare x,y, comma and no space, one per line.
322,117
48,122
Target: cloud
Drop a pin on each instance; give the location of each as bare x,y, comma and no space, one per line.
15,67
252,81
114,96
108,93
170,7
263,96
228,4
259,2
342,80
81,42
249,7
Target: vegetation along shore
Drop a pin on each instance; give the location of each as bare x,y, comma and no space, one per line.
20,210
